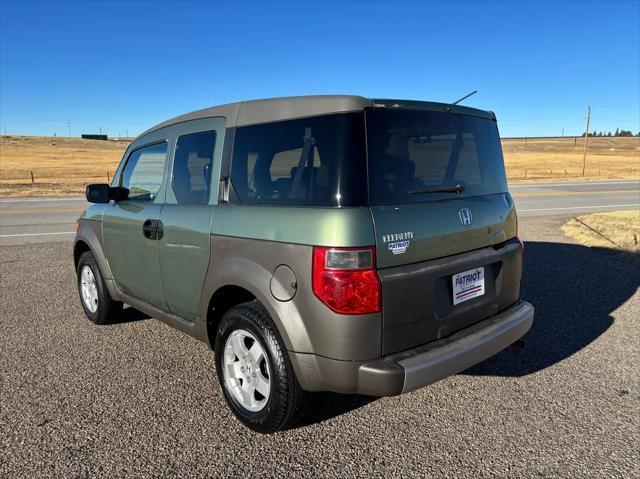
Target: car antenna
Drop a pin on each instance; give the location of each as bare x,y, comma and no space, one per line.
465,97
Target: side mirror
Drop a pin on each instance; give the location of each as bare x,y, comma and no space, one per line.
118,193
103,193
97,193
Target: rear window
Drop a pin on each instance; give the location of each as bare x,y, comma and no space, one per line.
315,161
413,151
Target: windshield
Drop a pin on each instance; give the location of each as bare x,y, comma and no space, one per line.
417,156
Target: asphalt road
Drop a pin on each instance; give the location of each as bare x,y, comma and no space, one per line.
138,398
545,199
46,220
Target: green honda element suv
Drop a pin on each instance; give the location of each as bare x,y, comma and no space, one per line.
320,243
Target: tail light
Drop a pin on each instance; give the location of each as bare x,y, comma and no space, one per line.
345,279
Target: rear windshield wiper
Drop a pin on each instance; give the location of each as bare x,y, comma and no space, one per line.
446,189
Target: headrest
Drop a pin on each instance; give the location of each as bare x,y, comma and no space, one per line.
397,146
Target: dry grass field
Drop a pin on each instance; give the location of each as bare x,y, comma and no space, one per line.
561,158
613,229
63,166
60,166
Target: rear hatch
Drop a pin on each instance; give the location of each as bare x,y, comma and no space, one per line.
444,222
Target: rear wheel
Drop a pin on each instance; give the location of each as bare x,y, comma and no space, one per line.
255,372
94,296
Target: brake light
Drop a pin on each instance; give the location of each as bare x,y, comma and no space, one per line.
345,279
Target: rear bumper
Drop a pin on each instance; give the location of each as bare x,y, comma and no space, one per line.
409,370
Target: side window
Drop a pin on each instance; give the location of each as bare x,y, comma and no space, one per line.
285,163
314,161
192,164
282,171
144,171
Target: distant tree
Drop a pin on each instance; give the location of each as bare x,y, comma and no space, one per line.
600,133
608,133
617,133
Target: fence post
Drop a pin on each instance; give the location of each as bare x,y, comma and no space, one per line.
32,180
108,176
525,173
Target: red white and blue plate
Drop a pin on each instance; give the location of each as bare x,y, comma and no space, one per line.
468,285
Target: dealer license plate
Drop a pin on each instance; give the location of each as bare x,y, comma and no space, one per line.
468,285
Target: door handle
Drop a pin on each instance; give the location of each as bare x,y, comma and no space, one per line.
159,230
152,229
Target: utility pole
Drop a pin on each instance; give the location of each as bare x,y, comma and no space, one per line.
563,132
586,140
69,127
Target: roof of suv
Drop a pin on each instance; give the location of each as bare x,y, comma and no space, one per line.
285,108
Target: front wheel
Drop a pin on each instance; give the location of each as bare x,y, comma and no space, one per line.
94,296
255,372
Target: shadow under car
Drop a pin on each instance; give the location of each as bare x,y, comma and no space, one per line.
574,290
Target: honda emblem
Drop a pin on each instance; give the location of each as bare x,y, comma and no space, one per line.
465,216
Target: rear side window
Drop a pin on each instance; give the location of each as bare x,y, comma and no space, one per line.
413,151
192,166
316,161
144,172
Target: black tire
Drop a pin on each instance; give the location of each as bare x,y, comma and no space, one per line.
107,308
286,403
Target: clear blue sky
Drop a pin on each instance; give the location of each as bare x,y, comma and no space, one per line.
126,66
